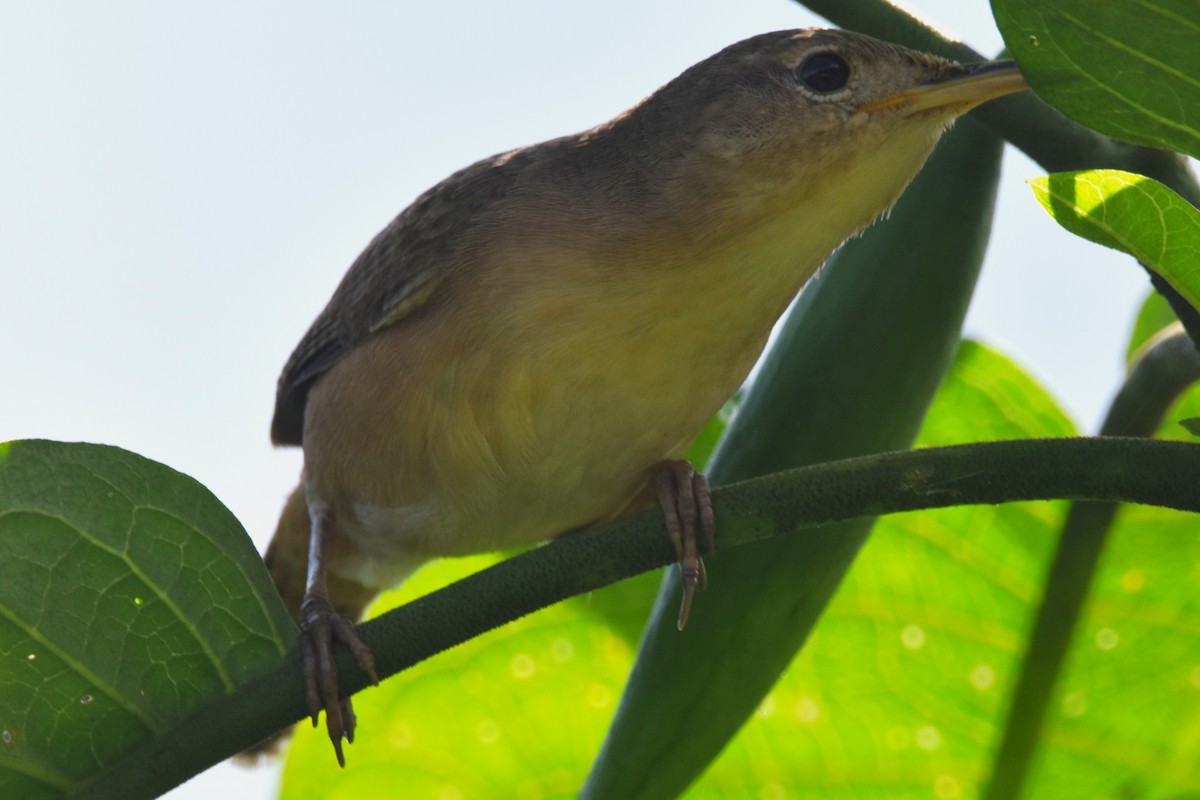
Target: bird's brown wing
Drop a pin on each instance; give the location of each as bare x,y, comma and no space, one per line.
394,276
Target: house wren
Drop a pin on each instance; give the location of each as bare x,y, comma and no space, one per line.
529,347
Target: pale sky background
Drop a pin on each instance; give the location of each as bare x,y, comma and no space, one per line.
181,188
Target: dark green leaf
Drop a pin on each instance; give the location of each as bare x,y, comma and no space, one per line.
1127,69
128,597
1191,425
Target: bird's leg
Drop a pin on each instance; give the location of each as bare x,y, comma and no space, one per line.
686,502
320,625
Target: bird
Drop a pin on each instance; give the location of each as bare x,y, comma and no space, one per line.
528,349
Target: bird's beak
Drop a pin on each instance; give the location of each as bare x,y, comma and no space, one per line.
959,93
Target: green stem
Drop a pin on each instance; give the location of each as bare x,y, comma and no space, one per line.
1165,370
793,502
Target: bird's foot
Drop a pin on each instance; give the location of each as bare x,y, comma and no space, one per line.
320,625
686,501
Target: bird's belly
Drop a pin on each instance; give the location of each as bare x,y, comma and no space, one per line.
509,445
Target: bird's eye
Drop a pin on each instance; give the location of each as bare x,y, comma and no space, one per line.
824,72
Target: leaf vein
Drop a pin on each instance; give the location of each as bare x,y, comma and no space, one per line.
102,686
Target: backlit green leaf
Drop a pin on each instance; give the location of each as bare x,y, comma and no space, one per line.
1131,213
1154,315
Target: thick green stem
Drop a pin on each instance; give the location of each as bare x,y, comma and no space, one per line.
797,502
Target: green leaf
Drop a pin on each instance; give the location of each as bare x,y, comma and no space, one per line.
128,597
988,397
1179,423
1163,370
1154,315
1131,213
1124,716
1126,69
702,448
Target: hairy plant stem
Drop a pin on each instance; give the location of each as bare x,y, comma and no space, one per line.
788,503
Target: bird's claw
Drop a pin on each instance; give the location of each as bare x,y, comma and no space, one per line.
686,502
320,626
